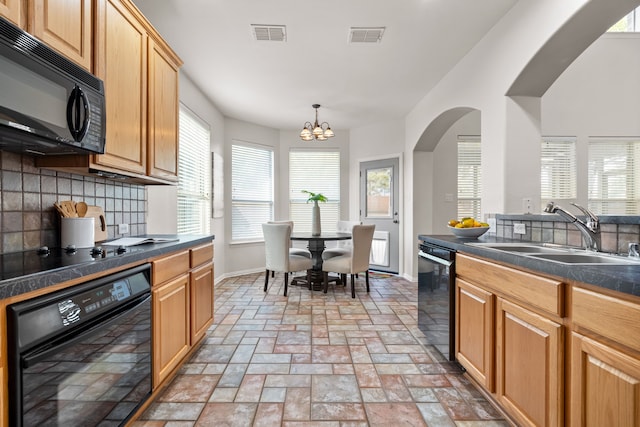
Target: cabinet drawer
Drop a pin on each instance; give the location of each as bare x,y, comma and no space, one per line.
608,316
541,292
201,254
170,266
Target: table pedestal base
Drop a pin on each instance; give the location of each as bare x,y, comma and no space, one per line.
317,280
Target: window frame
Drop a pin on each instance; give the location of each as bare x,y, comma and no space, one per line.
560,189
597,174
198,189
476,181
297,201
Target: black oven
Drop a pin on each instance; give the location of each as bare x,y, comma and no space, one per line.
82,355
436,297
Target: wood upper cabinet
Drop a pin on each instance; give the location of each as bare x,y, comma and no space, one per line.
14,11
475,331
529,365
140,74
66,26
163,113
121,63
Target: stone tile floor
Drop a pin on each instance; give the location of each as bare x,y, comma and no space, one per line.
316,359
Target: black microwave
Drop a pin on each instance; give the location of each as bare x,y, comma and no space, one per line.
48,104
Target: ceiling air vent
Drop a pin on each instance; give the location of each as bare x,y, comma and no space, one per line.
366,34
271,33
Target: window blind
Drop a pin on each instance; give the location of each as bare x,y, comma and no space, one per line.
614,176
252,191
317,171
558,179
469,176
194,174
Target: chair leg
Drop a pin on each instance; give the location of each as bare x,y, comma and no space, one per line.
273,274
309,280
343,279
266,280
325,279
286,283
367,273
353,286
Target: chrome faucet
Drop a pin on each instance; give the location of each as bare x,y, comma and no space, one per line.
590,230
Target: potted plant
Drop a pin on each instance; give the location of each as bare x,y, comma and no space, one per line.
315,213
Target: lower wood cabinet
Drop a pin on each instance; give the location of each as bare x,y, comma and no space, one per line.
605,385
201,301
475,332
548,353
183,298
171,326
529,365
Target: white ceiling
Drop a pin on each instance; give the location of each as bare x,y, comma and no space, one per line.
274,84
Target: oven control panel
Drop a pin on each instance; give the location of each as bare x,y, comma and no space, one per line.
38,319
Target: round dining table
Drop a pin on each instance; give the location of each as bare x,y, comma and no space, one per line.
316,245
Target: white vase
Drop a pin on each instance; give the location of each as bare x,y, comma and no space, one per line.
315,219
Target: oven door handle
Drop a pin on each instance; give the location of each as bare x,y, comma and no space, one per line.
95,326
435,259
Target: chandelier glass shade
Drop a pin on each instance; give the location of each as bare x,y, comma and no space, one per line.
321,131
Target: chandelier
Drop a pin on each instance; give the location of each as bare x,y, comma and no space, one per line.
321,132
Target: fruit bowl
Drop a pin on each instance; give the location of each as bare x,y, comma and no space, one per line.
468,233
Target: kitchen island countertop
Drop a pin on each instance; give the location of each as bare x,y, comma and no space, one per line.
621,278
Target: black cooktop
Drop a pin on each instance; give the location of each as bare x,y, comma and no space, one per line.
44,259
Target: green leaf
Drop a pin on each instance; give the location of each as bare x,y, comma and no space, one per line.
315,197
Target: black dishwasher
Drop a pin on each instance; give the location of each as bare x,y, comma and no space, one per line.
436,296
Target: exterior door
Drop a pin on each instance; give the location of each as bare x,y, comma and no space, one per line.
379,205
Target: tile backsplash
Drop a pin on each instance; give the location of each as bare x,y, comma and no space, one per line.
28,193
616,231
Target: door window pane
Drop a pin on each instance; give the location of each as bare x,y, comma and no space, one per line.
379,192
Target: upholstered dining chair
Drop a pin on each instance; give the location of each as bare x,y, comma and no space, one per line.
277,239
343,247
356,261
292,250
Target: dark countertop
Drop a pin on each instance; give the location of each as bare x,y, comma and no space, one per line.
69,267
621,278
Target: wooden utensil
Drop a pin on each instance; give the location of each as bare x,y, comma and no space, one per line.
100,223
60,209
70,207
81,209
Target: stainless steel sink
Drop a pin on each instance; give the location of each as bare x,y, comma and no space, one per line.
559,254
522,248
584,258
